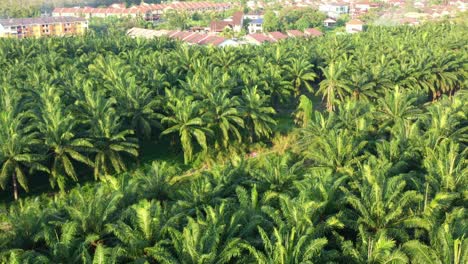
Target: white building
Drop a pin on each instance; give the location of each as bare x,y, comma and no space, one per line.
329,22
354,26
334,10
256,26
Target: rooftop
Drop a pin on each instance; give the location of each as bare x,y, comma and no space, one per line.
256,21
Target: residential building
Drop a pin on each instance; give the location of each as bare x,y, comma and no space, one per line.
256,26
334,10
44,26
150,12
329,22
258,38
354,26
295,33
277,35
253,15
235,23
313,32
220,26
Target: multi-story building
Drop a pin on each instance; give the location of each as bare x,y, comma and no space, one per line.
44,26
334,10
150,12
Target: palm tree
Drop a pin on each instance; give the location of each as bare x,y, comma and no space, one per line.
57,128
333,85
374,250
447,240
300,72
274,84
286,245
446,167
397,108
304,111
139,106
143,225
184,120
257,115
277,173
106,132
91,210
336,150
381,203
207,239
224,118
18,146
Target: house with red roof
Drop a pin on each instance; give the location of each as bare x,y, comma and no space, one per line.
219,26
313,32
258,38
294,33
276,35
235,23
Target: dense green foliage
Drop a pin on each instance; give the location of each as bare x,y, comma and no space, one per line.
293,18
377,173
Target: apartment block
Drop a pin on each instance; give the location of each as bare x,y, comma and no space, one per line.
42,27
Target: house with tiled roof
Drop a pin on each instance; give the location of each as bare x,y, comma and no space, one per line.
313,32
235,23
219,26
258,38
276,35
294,33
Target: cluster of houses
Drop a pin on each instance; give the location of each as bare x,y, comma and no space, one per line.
397,9
150,12
255,24
40,27
199,38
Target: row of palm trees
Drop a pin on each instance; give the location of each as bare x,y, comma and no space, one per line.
379,182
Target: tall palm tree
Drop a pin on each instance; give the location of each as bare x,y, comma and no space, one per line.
334,85
109,137
274,84
56,128
300,72
223,117
186,121
18,151
110,141
258,116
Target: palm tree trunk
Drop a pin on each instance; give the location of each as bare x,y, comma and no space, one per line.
15,187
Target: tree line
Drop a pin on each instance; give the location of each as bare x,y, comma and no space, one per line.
374,172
